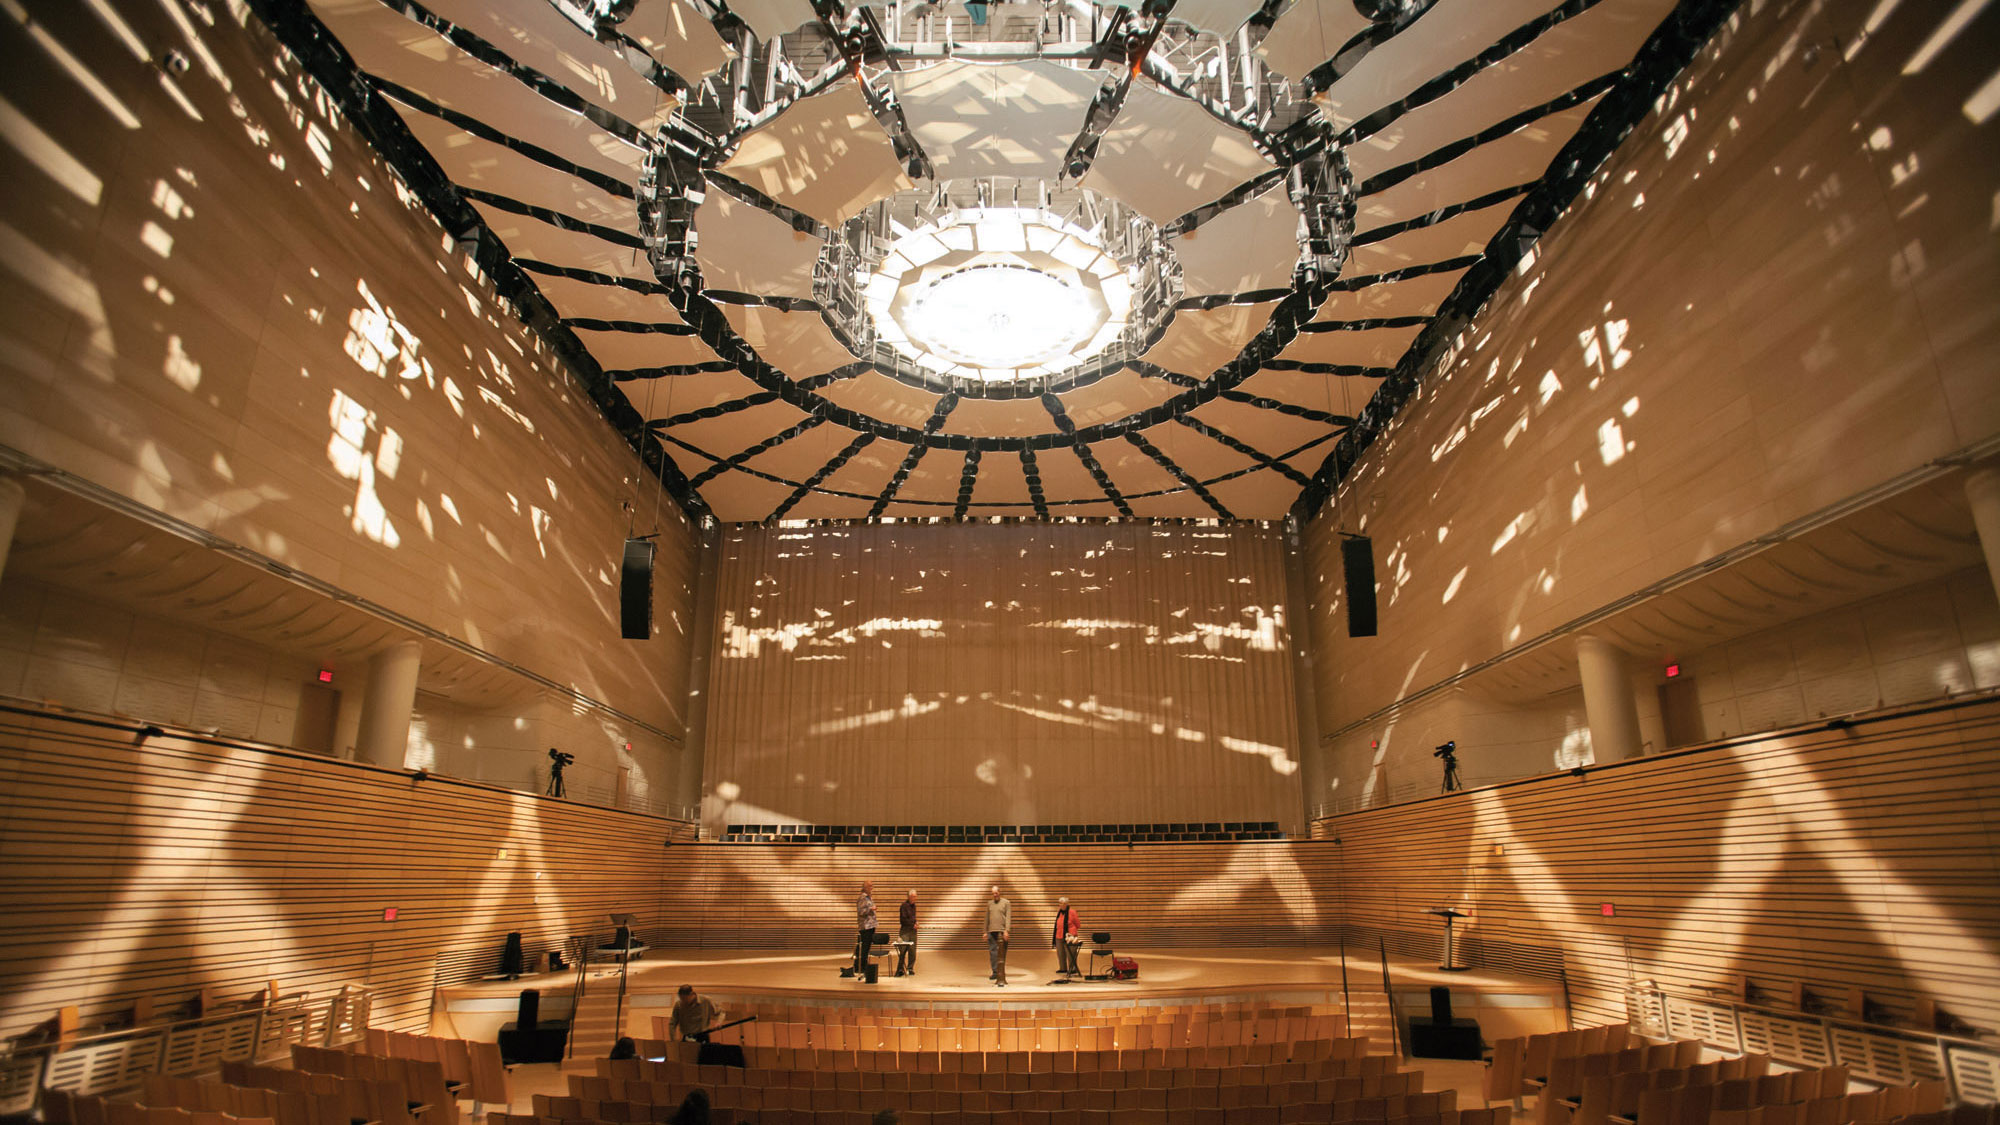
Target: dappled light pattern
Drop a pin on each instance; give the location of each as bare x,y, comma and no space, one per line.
1725,334
1008,674
232,311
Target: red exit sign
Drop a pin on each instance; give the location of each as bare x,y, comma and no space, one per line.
1607,909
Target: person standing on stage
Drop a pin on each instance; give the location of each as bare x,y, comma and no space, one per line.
906,937
864,925
1066,938
693,1015
999,922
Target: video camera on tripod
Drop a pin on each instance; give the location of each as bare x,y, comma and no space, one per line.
557,760
1448,754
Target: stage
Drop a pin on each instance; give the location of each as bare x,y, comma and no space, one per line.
956,979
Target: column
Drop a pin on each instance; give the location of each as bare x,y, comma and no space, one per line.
1608,702
384,735
1982,488
1298,624
11,496
701,648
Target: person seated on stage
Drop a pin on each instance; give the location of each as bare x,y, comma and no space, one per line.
864,926
693,1016
1067,936
626,1048
906,937
999,921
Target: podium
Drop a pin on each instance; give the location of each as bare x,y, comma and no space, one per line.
1449,915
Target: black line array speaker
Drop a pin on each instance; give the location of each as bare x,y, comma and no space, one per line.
635,591
1357,558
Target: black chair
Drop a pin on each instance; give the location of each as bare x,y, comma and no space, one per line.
1100,946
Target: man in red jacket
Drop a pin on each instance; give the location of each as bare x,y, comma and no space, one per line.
1068,935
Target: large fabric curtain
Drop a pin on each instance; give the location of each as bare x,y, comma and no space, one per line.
1002,674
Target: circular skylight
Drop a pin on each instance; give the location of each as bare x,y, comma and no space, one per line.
1001,316
950,288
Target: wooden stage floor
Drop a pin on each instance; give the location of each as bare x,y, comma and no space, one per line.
956,979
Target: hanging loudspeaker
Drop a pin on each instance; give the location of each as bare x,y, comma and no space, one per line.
635,591
1357,556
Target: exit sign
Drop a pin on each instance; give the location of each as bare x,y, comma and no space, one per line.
388,914
1607,909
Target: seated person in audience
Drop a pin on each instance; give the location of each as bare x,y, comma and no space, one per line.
1066,938
693,1016
625,1048
906,936
693,1110
999,921
864,926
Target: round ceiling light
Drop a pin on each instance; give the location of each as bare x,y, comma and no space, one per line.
948,290
1000,316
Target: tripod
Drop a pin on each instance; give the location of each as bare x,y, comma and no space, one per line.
1451,782
556,781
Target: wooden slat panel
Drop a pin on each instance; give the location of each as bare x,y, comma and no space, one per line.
157,870
801,896
1848,858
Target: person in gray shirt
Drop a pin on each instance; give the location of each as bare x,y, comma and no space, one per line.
999,921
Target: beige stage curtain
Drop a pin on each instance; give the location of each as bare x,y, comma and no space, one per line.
1002,674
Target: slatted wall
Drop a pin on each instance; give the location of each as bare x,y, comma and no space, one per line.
1862,858
801,896
154,870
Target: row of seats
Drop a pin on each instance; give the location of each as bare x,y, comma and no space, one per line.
1304,1114
1339,1080
989,1016
472,1069
1310,1052
1520,1065
764,1096
1639,1068
1178,832
1128,1035
421,1081
1694,1105
1895,1103
60,1107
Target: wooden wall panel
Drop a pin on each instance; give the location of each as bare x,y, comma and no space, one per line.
1002,674
1737,325
235,314
1276,893
1863,857
157,869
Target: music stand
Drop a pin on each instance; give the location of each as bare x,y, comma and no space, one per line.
1449,915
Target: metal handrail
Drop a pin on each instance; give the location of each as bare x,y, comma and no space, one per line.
70,1042
1389,991
112,1061
1899,1031
1947,1053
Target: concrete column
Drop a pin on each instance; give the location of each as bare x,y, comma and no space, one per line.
1608,702
1982,488
384,735
11,496
347,719
701,644
1298,624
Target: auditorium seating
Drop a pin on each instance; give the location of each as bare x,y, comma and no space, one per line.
1209,831
1136,1089
851,1029
471,1069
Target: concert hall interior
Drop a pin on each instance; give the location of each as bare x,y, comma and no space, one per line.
511,507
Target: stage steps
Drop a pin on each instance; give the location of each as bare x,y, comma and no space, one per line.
1368,1014
594,1026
